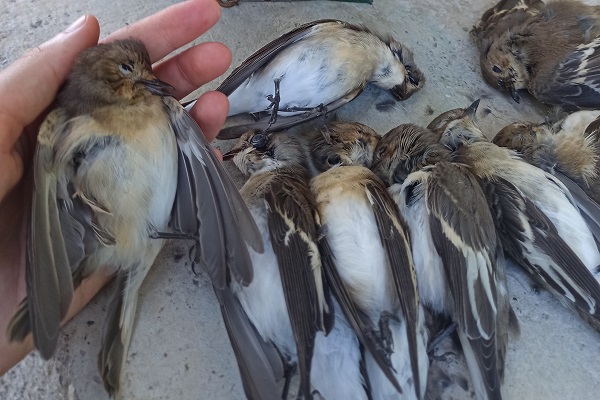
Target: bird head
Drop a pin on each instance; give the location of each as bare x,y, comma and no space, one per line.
402,66
260,152
110,74
502,67
458,127
343,143
406,149
518,135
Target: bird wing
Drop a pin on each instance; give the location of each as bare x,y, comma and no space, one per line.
393,233
55,245
259,362
266,54
293,235
589,208
208,203
576,81
464,236
283,123
530,238
360,322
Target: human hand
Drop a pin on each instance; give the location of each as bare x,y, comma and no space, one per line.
30,85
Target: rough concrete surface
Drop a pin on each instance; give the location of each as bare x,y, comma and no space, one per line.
180,349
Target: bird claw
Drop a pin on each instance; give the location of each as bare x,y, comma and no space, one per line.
274,103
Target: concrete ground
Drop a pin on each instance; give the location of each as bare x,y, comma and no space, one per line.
180,349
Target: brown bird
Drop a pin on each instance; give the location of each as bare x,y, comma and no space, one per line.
315,69
539,226
343,143
551,50
458,257
117,162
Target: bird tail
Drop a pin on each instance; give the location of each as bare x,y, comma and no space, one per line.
381,387
486,383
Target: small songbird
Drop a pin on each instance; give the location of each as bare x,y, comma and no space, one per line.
369,243
458,257
343,143
315,69
568,149
549,49
278,197
539,226
117,162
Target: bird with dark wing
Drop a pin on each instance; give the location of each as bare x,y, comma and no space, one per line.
538,224
285,310
314,69
551,50
369,244
118,162
458,256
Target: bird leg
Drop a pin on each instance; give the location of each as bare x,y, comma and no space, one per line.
155,234
385,333
274,103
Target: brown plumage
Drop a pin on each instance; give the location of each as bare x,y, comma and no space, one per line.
551,50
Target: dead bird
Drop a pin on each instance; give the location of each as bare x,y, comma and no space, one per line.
538,223
548,49
314,69
457,254
369,243
118,162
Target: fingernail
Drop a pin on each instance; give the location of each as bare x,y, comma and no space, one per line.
76,25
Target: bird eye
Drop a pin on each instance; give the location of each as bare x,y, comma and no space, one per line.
125,69
496,69
413,80
259,141
334,159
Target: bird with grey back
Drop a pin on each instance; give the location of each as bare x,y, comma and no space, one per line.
118,162
369,243
458,257
314,69
535,216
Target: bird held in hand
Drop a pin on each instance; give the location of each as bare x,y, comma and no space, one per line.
118,162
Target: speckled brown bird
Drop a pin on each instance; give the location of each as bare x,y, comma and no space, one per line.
118,162
551,50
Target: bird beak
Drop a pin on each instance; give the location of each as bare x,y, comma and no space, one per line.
157,87
231,153
400,91
513,93
472,109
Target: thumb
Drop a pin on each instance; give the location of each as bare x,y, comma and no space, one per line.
31,83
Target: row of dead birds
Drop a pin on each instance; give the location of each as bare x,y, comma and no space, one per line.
398,233
343,255
417,222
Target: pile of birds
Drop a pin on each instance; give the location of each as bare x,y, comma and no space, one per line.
348,259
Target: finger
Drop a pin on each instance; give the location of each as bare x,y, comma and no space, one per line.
173,27
210,112
33,80
194,67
